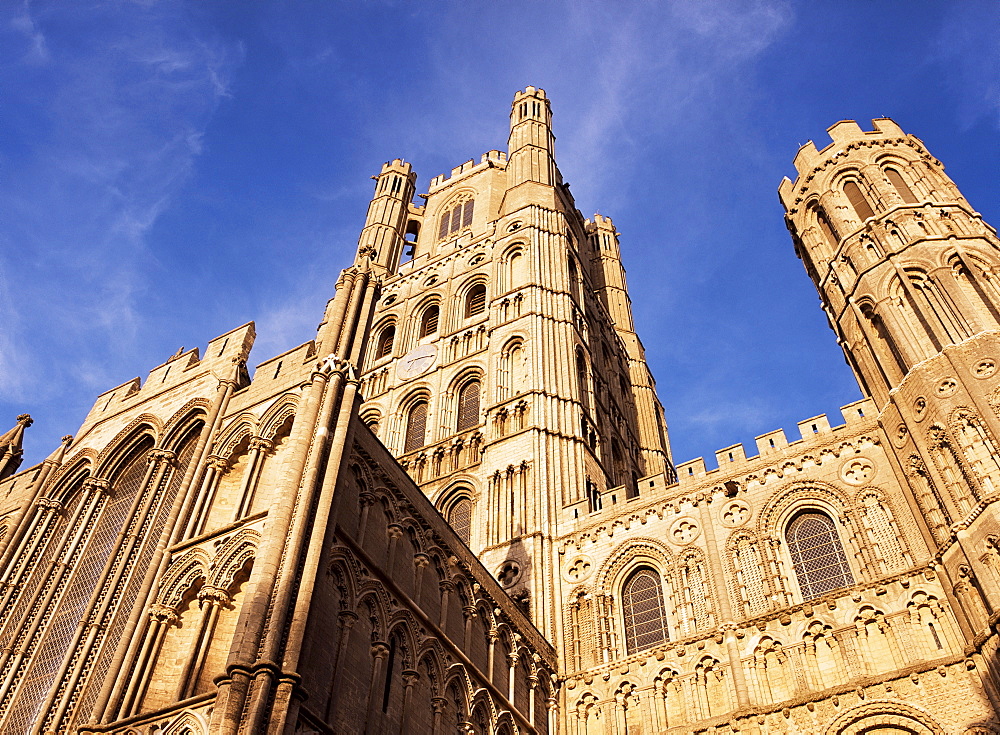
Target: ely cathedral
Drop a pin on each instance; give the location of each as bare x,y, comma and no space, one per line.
455,509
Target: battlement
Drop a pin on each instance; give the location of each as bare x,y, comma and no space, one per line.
529,91
598,222
396,165
490,159
815,430
220,355
843,133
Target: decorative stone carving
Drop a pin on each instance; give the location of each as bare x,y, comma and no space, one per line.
857,471
735,513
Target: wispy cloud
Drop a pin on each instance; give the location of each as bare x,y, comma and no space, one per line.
102,128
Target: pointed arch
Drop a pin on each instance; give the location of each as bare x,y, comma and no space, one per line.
182,574
233,556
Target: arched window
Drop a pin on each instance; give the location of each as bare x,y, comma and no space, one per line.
416,426
857,199
581,379
515,275
386,337
456,218
645,615
817,555
574,278
896,179
468,405
826,226
429,321
459,517
475,300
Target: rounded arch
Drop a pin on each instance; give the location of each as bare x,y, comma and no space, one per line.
889,715
385,338
457,505
69,481
630,554
414,412
817,553
472,295
427,316
344,573
774,516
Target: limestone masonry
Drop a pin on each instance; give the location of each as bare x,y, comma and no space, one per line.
456,511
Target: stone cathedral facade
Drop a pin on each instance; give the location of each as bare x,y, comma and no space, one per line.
455,509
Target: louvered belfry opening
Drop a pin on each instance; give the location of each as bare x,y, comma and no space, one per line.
644,612
456,218
468,405
416,426
460,518
385,339
429,321
817,555
475,301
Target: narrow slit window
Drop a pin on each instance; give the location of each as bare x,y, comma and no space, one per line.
827,227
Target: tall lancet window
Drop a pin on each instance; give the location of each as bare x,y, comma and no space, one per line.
817,555
901,187
858,201
460,518
456,218
645,614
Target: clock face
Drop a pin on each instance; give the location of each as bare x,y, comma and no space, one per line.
416,362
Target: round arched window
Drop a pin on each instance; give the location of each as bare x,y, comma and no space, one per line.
817,555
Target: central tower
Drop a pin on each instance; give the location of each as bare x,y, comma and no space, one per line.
504,372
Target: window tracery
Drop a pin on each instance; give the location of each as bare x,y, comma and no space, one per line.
817,554
456,217
643,611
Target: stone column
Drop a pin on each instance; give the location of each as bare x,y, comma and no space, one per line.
161,618
347,619
409,679
380,652
211,600
215,467
438,704
258,449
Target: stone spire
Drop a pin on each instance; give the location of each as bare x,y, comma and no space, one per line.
10,446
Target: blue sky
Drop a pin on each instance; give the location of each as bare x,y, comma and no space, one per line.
170,170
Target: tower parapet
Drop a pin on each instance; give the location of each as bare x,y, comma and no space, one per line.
903,264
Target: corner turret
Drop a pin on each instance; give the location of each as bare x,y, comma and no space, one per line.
11,449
